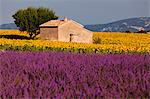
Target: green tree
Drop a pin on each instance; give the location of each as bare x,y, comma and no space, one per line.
30,18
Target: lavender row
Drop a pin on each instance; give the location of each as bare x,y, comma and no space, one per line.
72,75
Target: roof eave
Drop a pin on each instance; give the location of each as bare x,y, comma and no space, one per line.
48,26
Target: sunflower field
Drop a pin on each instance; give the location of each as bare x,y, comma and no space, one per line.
102,43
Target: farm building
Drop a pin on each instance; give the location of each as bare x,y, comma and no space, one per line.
65,30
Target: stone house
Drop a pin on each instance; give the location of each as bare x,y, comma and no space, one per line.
65,30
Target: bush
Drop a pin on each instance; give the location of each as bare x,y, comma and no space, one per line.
97,40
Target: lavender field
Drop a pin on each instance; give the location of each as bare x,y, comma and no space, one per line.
72,75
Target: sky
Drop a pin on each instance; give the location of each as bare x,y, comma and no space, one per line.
82,11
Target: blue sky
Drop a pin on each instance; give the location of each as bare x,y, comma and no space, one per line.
83,11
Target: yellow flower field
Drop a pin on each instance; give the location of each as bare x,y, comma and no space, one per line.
122,38
12,32
120,42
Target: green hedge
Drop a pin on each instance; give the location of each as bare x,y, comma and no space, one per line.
77,50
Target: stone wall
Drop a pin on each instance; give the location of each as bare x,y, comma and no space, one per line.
49,33
67,32
72,32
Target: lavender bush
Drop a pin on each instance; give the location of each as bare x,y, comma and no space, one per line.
70,75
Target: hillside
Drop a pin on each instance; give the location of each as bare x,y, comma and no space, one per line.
8,26
132,25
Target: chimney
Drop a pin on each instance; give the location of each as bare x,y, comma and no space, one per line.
65,19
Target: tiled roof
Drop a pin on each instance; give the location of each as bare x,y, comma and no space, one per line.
53,23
